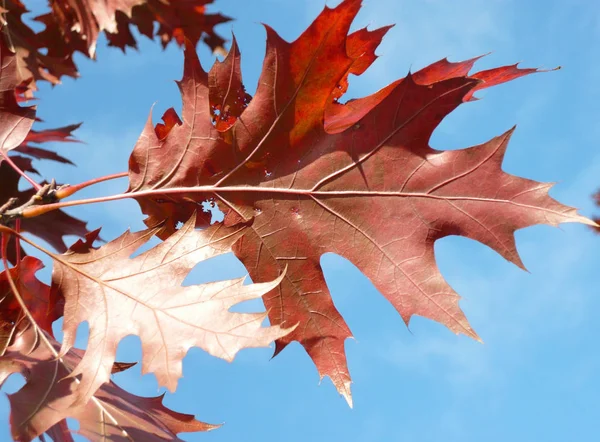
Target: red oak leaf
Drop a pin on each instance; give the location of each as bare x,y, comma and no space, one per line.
49,396
15,121
357,179
143,296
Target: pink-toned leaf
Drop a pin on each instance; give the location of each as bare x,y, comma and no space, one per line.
119,296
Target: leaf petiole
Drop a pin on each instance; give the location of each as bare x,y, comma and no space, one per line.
66,191
17,169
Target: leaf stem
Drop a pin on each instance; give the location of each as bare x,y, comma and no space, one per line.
36,210
19,171
18,240
66,191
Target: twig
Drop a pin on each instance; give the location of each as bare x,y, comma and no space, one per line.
46,194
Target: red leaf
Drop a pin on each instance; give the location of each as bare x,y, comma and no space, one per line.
42,154
170,118
228,97
360,46
61,134
15,121
49,396
60,432
143,296
74,26
35,294
359,180
32,64
85,19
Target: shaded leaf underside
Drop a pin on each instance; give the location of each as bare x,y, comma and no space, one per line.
50,396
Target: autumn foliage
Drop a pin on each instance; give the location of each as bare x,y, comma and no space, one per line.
74,26
297,173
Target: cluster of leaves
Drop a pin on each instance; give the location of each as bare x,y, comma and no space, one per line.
297,173
74,26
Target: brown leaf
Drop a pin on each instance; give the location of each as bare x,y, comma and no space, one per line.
359,180
59,134
143,296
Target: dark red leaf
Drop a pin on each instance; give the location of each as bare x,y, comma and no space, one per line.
32,63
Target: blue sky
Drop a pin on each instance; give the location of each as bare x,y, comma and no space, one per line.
536,376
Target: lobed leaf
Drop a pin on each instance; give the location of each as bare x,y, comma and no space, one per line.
358,179
50,396
142,296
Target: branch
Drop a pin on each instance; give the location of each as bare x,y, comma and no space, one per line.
46,194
